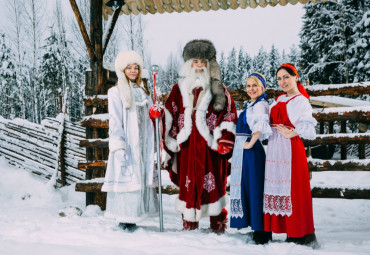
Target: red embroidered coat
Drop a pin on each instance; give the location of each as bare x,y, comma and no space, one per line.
192,133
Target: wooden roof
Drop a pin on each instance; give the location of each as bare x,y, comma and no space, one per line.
161,6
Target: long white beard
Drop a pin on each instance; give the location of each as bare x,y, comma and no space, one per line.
192,79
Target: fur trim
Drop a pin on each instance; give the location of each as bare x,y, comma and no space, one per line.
205,49
194,215
124,59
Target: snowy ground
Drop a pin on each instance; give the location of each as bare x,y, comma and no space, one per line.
30,224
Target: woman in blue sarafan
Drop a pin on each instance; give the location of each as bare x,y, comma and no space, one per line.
248,162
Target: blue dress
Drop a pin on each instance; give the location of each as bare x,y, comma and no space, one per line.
252,175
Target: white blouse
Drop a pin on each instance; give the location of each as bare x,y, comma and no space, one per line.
300,115
258,119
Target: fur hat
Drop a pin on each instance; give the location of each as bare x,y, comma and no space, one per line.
204,49
124,59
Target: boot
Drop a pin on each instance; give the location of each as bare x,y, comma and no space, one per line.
130,227
309,240
189,225
262,237
218,223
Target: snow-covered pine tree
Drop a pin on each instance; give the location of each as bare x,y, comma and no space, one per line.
241,67
52,80
360,49
232,73
284,57
275,62
222,64
261,63
248,63
8,98
325,40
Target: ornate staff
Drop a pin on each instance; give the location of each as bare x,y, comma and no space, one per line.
156,113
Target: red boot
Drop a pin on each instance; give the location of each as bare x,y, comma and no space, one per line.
189,225
218,223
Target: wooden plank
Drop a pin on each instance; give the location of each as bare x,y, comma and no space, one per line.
316,165
340,193
168,5
273,2
195,4
150,6
205,6
263,3
186,5
91,165
141,5
96,143
223,4
234,4
94,123
283,2
159,5
96,101
253,4
343,139
243,4
133,6
177,5
214,5
337,116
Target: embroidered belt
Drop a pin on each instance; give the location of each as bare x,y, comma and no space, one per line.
243,134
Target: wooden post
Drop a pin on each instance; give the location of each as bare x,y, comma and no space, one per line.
343,147
362,128
331,131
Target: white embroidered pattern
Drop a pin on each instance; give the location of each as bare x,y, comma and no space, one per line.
187,182
229,116
181,121
209,182
211,121
174,107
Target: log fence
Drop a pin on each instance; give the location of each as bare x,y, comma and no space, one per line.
34,147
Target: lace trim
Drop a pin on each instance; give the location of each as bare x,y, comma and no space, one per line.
278,205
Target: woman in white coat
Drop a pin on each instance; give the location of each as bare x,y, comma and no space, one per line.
130,177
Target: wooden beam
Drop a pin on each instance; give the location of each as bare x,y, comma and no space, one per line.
343,139
81,24
111,27
96,143
338,116
95,123
340,193
315,165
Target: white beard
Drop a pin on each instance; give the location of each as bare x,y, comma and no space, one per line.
191,79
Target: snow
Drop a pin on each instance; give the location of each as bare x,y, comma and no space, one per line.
341,101
30,223
342,109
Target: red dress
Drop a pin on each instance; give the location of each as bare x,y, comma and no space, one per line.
300,222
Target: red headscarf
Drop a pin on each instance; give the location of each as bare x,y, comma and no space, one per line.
299,85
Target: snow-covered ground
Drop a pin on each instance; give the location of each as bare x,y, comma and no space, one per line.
30,223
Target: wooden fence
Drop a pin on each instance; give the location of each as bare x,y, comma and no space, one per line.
35,147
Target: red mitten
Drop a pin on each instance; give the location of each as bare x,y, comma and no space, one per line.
156,111
223,149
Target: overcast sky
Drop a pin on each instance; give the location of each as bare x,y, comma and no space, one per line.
250,28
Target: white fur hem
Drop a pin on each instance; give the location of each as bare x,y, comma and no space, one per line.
194,215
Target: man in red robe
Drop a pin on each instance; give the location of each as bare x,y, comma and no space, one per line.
199,132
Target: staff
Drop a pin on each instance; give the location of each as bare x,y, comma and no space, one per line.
155,112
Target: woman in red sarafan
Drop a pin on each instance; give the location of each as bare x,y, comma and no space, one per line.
287,192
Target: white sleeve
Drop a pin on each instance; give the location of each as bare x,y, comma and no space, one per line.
116,127
260,120
300,115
